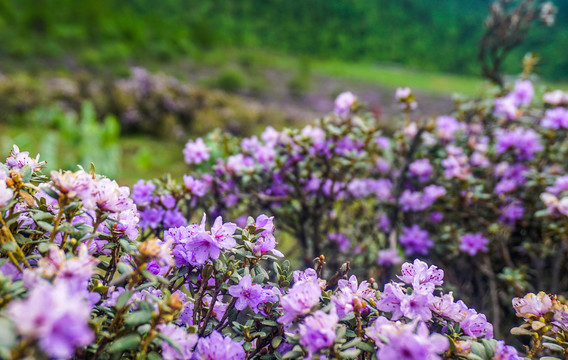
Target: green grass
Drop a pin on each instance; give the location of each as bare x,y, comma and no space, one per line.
385,75
141,157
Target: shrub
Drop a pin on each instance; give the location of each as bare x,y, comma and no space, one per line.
81,276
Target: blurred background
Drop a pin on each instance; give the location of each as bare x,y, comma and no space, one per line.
125,83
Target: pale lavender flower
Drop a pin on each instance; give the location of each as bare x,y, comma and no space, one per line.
476,325
388,257
560,185
343,103
555,118
5,193
217,347
505,352
17,160
299,300
55,316
70,183
182,338
343,301
446,127
390,300
556,98
506,107
196,152
318,330
197,187
409,342
446,306
270,135
421,168
421,276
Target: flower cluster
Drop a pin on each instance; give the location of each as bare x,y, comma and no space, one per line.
81,277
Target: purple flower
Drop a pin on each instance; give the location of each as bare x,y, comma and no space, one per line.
555,118
390,300
406,341
341,239
524,142
476,325
197,187
560,185
185,341
18,160
446,127
415,240
142,192
556,98
173,218
299,300
512,212
433,193
416,306
318,330
151,218
411,200
388,257
523,92
70,183
420,276
343,103
196,152
505,352
247,294
472,243
55,316
107,195
421,168
446,306
217,347
436,216
506,107
5,193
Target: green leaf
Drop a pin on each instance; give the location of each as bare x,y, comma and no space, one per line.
276,342
350,344
137,318
128,342
350,354
7,335
123,299
366,347
554,347
26,173
45,226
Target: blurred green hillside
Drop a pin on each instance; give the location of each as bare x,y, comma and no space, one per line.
439,35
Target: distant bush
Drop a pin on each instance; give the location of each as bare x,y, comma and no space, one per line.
154,104
230,79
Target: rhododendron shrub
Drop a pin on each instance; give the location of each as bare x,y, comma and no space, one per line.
482,191
80,277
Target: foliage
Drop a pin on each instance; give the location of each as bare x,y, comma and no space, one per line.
103,34
76,282
146,103
343,190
